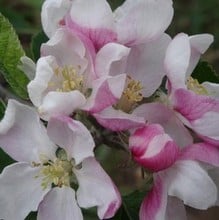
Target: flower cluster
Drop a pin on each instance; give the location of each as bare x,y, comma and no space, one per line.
121,71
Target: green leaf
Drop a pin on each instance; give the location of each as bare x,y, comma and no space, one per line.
130,206
204,72
2,108
37,40
10,53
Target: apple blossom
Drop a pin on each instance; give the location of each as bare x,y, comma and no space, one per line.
145,71
195,104
65,79
153,148
50,163
134,22
185,182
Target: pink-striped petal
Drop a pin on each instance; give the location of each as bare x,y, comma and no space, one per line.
202,152
106,92
152,148
117,120
154,205
93,20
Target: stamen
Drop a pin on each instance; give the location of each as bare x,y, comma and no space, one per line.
70,79
195,86
57,172
131,95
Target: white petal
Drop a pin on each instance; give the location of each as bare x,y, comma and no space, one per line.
212,88
20,191
177,60
175,209
207,125
44,73
23,136
199,44
72,136
145,64
191,183
53,11
65,103
111,59
28,67
87,14
59,204
214,174
96,189
67,48
141,21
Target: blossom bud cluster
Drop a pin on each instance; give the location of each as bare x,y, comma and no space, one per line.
123,71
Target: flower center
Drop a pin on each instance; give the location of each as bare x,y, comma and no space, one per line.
195,86
66,79
131,95
58,172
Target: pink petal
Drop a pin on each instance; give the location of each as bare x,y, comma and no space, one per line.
160,114
141,21
152,148
104,194
193,106
117,120
59,204
17,183
203,152
72,136
23,136
154,205
145,64
93,20
106,92
199,112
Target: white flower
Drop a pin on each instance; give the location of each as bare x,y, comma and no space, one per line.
45,174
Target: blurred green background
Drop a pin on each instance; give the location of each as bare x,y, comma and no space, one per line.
191,16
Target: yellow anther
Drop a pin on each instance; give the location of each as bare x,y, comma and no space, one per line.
68,79
57,172
131,95
195,86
